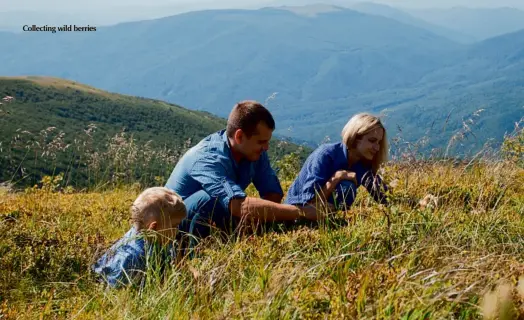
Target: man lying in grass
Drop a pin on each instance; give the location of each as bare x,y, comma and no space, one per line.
212,178
156,214
332,173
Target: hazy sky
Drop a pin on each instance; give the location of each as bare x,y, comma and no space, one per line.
108,12
65,5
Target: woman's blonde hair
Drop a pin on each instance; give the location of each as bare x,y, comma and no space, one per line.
360,125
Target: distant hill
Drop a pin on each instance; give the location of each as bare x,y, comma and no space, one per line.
506,49
404,17
229,55
321,64
480,23
295,53
71,107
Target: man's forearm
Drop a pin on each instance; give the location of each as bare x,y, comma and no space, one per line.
265,210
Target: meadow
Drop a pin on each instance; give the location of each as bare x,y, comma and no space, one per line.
449,246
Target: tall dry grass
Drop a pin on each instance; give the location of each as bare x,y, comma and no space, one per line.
83,163
435,260
449,246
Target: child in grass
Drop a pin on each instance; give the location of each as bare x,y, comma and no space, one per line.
156,214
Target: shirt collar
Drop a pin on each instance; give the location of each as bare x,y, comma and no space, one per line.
225,138
344,151
342,155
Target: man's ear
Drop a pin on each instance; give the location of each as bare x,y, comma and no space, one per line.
238,136
152,226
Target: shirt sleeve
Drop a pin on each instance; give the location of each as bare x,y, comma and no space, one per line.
265,179
315,174
211,173
124,262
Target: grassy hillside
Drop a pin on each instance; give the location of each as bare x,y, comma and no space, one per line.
58,126
436,260
449,245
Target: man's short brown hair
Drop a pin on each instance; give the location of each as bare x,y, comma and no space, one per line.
246,115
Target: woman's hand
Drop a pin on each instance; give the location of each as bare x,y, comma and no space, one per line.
346,175
332,183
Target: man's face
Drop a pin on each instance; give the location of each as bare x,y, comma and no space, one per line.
369,145
252,147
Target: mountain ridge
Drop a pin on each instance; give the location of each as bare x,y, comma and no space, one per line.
481,23
320,70
405,17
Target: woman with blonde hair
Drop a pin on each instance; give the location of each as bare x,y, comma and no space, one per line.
333,172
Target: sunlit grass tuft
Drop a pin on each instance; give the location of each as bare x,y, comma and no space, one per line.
437,260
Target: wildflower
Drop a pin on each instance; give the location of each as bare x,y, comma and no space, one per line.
429,201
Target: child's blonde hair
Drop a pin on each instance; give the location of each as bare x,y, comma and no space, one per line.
154,203
360,125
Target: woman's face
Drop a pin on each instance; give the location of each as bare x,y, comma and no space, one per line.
369,144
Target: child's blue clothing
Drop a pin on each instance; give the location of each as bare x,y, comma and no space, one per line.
127,260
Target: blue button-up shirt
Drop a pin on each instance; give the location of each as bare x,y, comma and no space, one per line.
127,260
321,165
210,166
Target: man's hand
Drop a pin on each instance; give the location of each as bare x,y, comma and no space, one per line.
310,212
313,212
346,175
